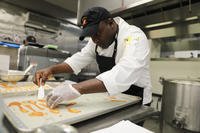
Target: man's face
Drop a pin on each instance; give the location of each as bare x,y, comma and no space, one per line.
105,35
25,42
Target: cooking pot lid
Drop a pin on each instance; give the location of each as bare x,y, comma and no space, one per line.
186,81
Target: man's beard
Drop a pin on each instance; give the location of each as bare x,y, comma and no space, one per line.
108,43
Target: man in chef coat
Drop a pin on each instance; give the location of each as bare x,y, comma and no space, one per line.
31,41
122,54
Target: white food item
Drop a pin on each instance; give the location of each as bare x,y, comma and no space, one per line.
41,91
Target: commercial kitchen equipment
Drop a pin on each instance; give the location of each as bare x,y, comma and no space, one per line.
42,57
11,54
180,106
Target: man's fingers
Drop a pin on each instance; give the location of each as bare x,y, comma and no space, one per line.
42,74
38,77
45,77
48,96
56,102
51,100
42,82
34,80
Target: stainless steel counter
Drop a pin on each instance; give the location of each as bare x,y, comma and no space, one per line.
134,113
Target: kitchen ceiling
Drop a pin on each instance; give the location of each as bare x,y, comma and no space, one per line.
68,10
70,5
60,9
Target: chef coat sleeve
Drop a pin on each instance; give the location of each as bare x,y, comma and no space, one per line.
81,59
131,65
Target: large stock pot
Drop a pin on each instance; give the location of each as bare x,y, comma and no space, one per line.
181,105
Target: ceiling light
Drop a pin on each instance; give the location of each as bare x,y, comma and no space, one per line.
72,20
158,24
139,2
191,18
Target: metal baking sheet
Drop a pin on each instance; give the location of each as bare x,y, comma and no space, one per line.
87,106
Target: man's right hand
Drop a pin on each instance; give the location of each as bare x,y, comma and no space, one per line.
47,72
43,74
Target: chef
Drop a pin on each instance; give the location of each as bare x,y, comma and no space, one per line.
121,52
31,41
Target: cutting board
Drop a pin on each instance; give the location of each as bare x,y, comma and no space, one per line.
85,107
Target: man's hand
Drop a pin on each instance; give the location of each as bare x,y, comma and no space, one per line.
43,74
63,92
47,72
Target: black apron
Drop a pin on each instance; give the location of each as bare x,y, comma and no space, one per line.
107,63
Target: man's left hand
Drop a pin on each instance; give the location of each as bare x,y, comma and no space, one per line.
63,92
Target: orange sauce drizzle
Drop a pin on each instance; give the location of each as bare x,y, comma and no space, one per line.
71,110
115,100
14,86
42,100
3,84
29,107
70,104
34,113
19,106
6,86
55,111
112,97
34,103
28,104
13,82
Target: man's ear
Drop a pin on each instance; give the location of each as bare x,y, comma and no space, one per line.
110,21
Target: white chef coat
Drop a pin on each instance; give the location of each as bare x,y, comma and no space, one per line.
132,61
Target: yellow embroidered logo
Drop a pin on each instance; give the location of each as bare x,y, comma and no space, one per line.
128,40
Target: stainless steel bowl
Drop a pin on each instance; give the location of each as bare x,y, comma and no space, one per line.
13,76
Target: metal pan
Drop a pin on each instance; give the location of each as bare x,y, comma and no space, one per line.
90,105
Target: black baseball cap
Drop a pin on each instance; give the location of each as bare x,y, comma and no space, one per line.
91,19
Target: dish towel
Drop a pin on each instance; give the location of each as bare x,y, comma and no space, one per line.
124,126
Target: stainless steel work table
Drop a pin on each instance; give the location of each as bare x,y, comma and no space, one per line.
134,113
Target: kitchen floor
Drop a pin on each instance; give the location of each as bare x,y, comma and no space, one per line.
152,124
